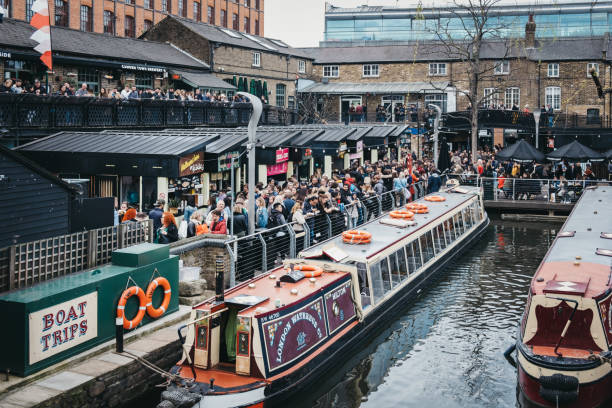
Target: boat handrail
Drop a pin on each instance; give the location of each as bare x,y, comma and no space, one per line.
206,317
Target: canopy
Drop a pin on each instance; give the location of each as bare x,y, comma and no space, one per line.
575,151
521,151
203,80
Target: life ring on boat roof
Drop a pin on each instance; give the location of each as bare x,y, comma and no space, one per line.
309,271
417,208
402,214
435,198
128,293
356,237
163,282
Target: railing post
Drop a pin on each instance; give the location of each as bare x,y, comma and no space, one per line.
150,231
121,235
379,199
233,258
291,241
306,235
513,189
92,247
12,260
329,225
264,254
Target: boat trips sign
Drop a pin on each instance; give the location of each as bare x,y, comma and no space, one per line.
63,326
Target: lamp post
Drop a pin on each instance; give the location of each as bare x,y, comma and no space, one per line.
252,140
536,117
436,130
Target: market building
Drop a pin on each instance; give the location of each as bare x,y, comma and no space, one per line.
270,66
101,61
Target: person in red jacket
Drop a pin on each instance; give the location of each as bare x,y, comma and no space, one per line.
218,226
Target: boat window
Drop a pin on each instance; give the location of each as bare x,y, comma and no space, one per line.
477,213
364,286
399,269
413,255
467,217
439,240
377,282
449,231
427,246
458,223
386,275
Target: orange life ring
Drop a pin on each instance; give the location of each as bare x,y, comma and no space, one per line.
356,237
163,282
402,214
417,208
128,293
435,198
309,271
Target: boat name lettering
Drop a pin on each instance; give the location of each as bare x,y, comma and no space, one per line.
338,293
294,319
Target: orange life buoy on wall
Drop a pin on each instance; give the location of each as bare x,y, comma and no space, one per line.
402,214
128,293
309,271
163,282
356,237
417,208
435,198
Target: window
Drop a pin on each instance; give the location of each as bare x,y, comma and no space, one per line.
247,25
399,268
131,2
164,6
90,77
426,241
502,68
130,27
439,234
370,70
257,5
146,26
301,66
512,97
449,231
553,70
86,20
109,22
280,95
256,27
553,97
331,71
247,3
61,13
437,68
291,102
29,11
491,97
197,11
147,4
257,59
143,80
386,276
211,15
182,8
591,66
377,282
413,255
440,99
235,22
458,222
223,18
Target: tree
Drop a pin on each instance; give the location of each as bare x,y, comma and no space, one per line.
314,108
464,31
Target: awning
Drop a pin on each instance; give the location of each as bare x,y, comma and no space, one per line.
202,80
375,87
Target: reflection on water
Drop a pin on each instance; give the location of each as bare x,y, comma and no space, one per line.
446,348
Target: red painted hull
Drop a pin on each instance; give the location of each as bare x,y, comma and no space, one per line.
595,394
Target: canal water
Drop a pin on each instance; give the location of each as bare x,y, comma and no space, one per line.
446,349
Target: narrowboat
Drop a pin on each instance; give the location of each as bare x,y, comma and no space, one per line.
257,343
564,338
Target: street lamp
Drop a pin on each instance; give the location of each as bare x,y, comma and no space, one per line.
252,140
436,130
536,117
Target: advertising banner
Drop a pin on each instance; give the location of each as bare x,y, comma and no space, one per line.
280,168
282,155
224,161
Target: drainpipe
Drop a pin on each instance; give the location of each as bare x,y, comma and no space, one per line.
539,85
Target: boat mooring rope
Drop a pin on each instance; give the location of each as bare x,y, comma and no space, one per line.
170,378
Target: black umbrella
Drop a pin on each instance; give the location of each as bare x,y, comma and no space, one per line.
521,151
443,157
575,151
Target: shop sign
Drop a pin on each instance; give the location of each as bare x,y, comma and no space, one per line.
225,161
359,146
280,168
63,326
282,155
551,142
342,149
306,154
5,54
191,164
142,68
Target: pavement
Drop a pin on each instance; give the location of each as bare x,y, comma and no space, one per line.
71,373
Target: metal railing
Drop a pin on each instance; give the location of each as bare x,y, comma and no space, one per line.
28,111
23,265
525,120
257,253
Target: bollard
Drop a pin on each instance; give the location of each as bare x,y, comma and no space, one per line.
219,284
119,334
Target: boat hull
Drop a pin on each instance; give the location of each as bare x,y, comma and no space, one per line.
282,388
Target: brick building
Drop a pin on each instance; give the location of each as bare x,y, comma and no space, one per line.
525,72
232,54
130,18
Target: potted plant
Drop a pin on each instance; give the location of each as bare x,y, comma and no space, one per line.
173,205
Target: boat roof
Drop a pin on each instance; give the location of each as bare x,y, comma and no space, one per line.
384,235
572,265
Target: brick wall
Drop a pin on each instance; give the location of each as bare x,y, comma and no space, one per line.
205,256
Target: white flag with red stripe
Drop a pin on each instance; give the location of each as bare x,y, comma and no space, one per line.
42,35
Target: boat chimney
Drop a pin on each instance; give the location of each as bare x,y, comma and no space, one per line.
219,278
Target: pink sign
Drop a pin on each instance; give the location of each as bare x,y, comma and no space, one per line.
280,168
282,155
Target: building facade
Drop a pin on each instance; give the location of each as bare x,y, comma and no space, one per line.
232,55
557,19
130,18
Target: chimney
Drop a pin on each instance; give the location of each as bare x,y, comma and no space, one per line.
530,29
